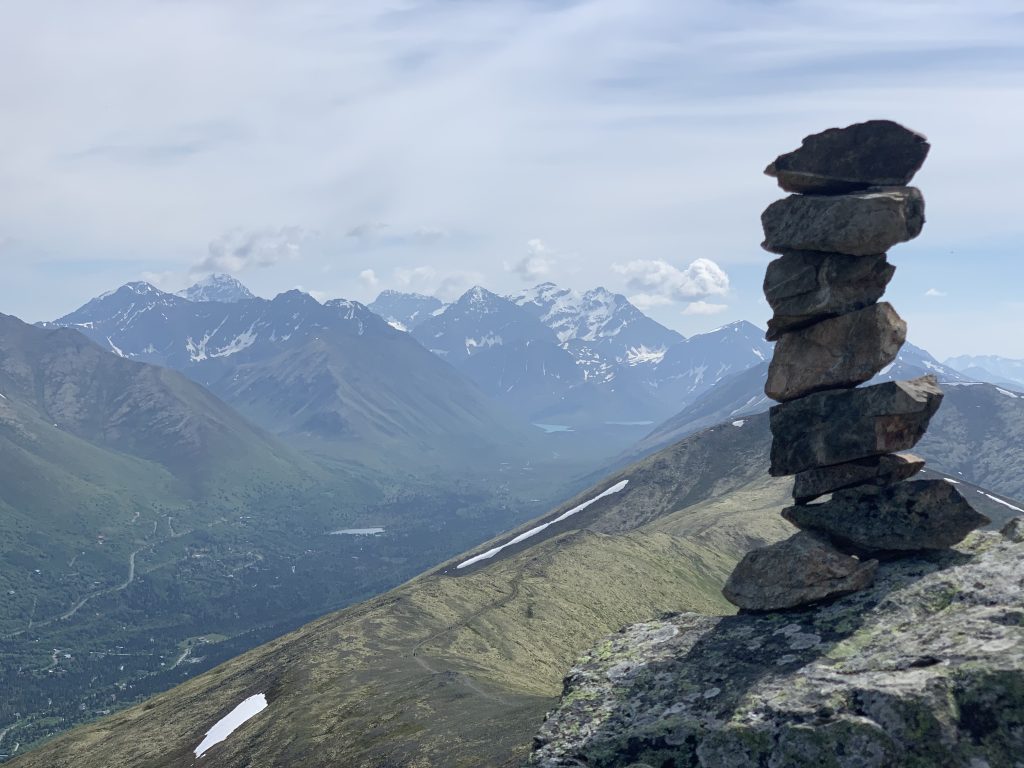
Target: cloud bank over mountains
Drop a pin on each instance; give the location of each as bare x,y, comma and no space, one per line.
414,133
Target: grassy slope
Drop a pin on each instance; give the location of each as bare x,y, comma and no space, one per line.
458,669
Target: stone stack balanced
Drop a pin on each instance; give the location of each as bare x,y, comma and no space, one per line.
850,204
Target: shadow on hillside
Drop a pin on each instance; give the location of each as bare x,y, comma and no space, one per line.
666,708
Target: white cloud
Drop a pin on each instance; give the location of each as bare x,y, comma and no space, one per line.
165,280
704,308
935,293
419,279
446,285
536,264
367,230
239,250
656,277
646,301
369,278
581,120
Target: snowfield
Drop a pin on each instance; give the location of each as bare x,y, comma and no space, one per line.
534,531
228,724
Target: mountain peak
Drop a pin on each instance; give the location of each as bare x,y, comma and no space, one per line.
217,287
479,298
139,288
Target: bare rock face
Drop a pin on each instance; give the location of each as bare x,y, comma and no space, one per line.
842,351
878,470
919,514
858,224
805,287
836,427
805,568
925,667
870,154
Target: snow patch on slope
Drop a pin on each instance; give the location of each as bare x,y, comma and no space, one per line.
228,724
534,531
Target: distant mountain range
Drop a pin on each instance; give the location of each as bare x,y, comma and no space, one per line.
333,376
990,368
559,356
978,433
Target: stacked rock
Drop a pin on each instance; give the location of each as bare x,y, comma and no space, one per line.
850,204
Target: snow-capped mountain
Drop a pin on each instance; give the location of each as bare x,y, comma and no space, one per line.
600,320
405,311
217,287
557,355
692,367
479,320
913,361
991,368
742,393
333,371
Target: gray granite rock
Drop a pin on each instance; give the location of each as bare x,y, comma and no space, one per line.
923,668
805,568
804,287
877,470
918,514
869,154
845,425
842,351
858,224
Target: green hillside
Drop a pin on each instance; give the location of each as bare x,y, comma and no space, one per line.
458,666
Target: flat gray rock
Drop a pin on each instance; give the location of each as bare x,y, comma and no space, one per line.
923,668
858,224
878,470
915,515
805,568
870,154
805,287
842,351
845,425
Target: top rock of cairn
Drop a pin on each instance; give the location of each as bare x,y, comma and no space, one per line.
876,153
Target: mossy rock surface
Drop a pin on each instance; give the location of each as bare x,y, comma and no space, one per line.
925,668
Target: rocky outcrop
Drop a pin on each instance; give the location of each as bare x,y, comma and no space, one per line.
923,668
832,335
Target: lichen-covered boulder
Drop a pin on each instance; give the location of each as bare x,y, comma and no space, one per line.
924,668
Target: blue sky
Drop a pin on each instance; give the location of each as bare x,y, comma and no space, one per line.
346,147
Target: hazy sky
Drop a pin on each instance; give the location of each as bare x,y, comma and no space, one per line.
345,147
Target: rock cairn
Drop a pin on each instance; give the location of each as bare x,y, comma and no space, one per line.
850,204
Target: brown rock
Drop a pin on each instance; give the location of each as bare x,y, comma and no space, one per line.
805,287
839,352
874,153
858,224
802,569
919,514
877,470
845,425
